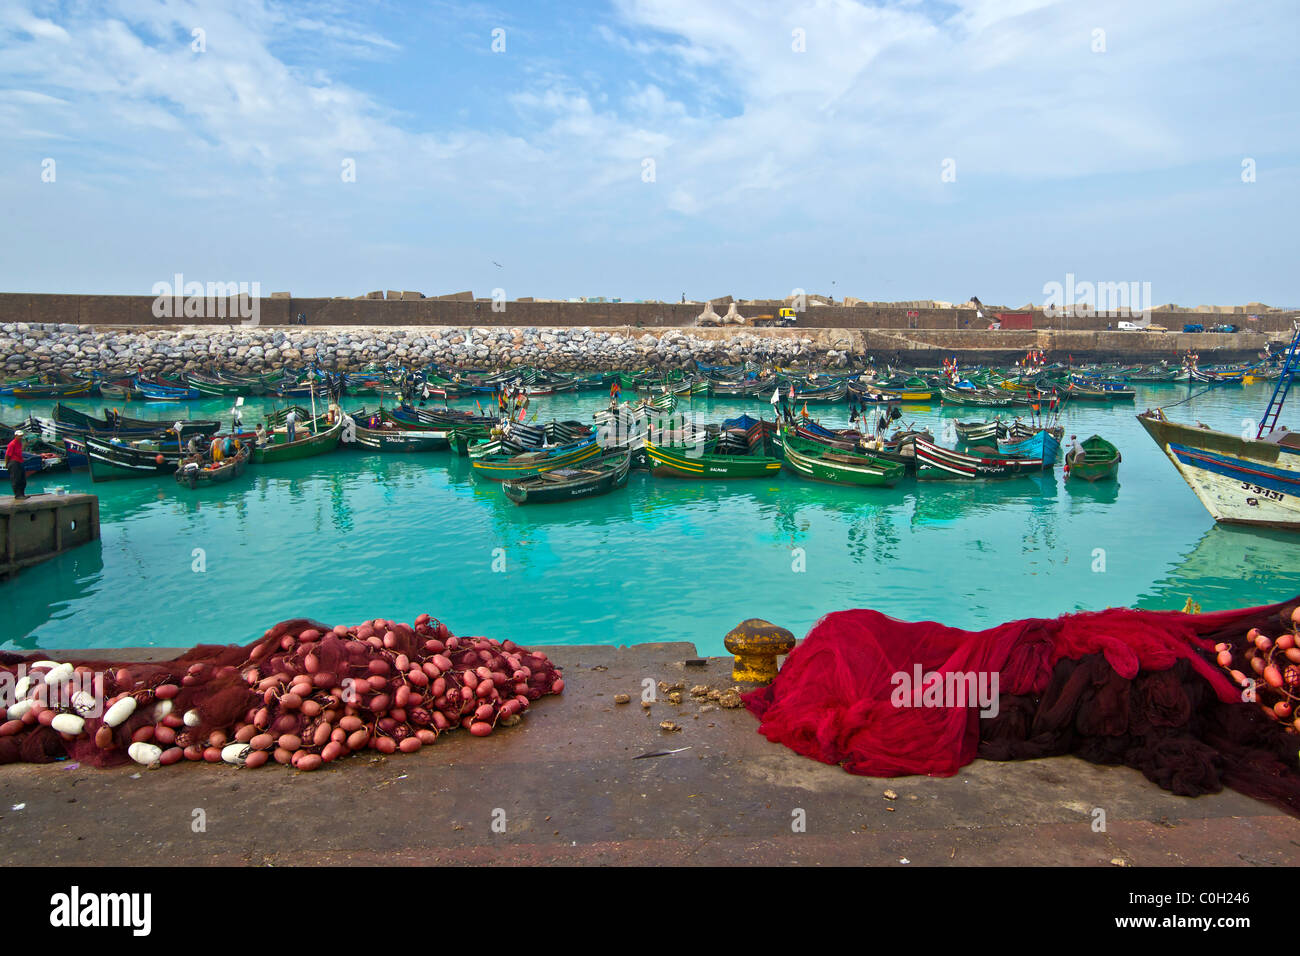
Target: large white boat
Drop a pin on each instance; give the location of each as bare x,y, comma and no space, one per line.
1240,479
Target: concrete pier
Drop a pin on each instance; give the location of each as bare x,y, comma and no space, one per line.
566,787
40,526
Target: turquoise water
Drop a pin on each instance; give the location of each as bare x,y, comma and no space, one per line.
350,536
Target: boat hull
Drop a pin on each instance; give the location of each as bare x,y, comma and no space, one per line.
1238,480
679,462
319,444
537,490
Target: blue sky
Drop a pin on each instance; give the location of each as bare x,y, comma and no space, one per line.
1116,156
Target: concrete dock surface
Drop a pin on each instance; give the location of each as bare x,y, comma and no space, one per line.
563,787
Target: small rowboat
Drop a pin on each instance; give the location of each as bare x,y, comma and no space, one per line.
279,448
203,471
1100,460
935,462
598,476
977,431
1042,444
823,463
389,437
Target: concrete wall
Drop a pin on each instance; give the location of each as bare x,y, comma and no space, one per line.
121,310
41,526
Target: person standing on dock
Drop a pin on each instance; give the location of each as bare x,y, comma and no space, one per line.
16,465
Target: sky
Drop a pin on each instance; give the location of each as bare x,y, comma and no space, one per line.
646,149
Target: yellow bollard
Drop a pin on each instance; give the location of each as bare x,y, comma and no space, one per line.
756,645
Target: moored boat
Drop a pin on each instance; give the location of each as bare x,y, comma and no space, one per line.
1239,479
935,462
277,447
596,476
204,470
1099,460
819,462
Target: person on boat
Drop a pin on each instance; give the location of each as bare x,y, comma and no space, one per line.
217,449
424,394
1076,452
290,424
16,465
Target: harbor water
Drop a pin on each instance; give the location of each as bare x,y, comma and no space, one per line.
352,535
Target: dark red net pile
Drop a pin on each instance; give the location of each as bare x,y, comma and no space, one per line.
304,694
1139,688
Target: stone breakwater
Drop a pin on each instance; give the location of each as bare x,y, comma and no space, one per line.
28,349
35,349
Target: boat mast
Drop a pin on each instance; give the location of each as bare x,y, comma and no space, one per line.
1290,367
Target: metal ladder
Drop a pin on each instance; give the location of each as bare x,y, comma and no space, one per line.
1290,367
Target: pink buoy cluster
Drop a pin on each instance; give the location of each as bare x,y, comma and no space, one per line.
303,695
1269,667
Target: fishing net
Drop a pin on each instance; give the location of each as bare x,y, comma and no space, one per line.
1138,688
303,694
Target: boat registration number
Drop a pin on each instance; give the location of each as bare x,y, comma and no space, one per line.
1263,492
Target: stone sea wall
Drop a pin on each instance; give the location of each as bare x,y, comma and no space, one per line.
30,349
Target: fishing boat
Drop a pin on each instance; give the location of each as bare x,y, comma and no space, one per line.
1041,444
977,431
740,450
975,397
1099,460
596,476
822,463
379,432
497,461
202,470
934,462
160,392
60,390
110,459
1240,479
277,447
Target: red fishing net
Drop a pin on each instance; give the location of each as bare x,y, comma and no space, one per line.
1140,688
304,694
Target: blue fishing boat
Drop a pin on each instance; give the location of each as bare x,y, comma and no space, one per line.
1042,444
155,392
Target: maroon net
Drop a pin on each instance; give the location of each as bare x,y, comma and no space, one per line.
1140,688
304,694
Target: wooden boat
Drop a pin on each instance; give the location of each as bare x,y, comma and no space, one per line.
279,448
823,463
933,462
201,471
738,452
1100,392
1239,480
389,437
596,476
159,392
977,431
37,391
119,458
974,397
1041,444
495,461
113,423
1100,460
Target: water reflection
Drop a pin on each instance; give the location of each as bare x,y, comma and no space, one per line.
1231,567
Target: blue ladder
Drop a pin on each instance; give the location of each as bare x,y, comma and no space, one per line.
1290,367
